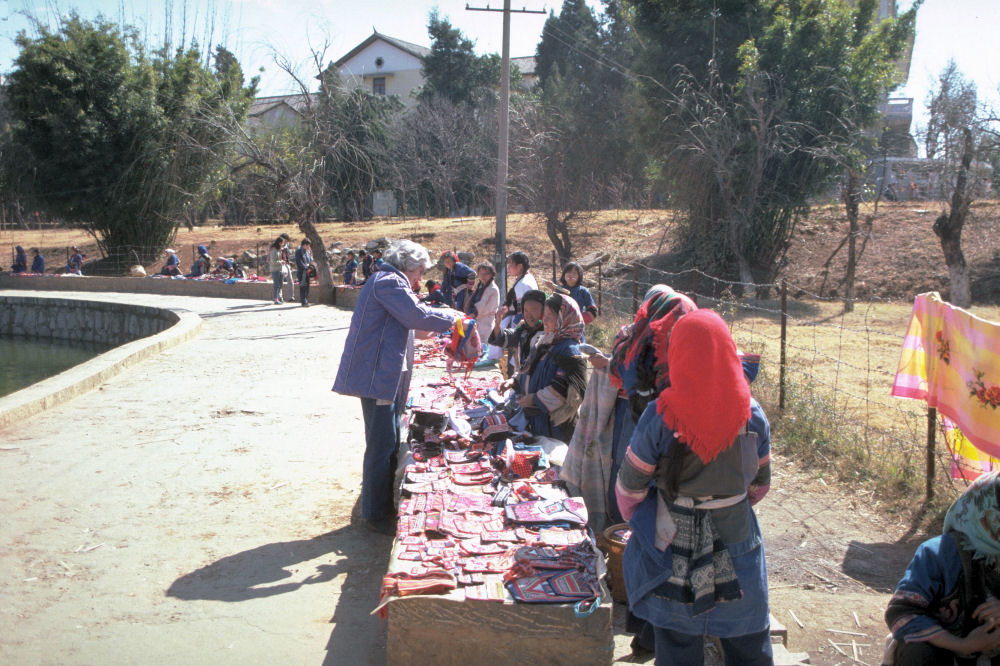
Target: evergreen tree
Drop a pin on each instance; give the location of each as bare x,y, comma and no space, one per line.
104,136
751,111
452,70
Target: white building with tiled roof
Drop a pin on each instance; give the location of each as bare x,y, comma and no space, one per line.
384,65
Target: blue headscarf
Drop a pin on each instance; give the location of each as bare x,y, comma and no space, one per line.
975,517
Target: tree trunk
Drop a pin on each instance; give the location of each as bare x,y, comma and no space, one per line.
558,233
852,197
746,275
323,275
948,228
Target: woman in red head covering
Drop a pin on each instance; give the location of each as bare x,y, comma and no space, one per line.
698,459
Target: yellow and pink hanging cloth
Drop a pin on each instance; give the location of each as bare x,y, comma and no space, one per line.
951,359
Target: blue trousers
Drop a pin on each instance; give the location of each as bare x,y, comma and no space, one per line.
276,280
381,450
622,433
676,648
303,286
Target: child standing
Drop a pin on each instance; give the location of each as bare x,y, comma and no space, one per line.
303,259
350,268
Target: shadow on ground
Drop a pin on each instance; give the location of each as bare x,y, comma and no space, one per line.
879,565
356,637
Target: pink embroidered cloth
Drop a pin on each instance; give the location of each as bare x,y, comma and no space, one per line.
951,359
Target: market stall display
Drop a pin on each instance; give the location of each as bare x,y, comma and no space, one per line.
490,548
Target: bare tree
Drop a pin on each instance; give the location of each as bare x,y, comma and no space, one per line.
954,138
296,164
544,178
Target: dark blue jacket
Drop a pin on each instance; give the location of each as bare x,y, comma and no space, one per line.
387,310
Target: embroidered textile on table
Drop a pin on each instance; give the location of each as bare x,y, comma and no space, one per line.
465,512
951,359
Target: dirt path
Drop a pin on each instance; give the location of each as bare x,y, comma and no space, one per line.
197,508
831,553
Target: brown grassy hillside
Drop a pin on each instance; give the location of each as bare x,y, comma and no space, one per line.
901,255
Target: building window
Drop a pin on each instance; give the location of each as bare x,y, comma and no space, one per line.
378,86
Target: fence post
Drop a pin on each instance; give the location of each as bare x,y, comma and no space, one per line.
635,289
784,338
931,434
600,287
553,265
694,287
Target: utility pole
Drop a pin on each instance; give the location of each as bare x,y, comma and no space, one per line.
500,260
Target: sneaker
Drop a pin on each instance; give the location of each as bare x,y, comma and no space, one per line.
277,302
484,363
305,304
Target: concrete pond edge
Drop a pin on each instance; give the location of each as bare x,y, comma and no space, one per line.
21,405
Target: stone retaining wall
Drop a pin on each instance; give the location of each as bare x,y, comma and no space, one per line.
147,285
105,323
137,331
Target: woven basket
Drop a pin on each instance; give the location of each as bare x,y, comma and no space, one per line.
615,548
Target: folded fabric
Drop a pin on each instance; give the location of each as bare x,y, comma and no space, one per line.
403,584
554,588
570,510
495,428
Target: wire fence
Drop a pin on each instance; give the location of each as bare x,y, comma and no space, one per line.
826,373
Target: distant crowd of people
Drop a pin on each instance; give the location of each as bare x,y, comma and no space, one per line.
20,266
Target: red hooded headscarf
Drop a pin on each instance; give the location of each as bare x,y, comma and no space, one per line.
708,400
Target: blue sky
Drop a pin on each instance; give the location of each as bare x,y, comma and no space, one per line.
256,29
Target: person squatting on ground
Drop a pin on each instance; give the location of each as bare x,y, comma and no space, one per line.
552,388
303,260
698,460
945,609
172,266
433,295
37,262
519,341
377,363
75,264
202,265
20,264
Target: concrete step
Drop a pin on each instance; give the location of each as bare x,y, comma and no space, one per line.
782,657
779,633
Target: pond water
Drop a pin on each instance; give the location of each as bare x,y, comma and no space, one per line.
24,362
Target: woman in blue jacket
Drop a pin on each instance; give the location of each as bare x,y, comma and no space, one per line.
552,388
38,262
20,261
376,365
945,609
